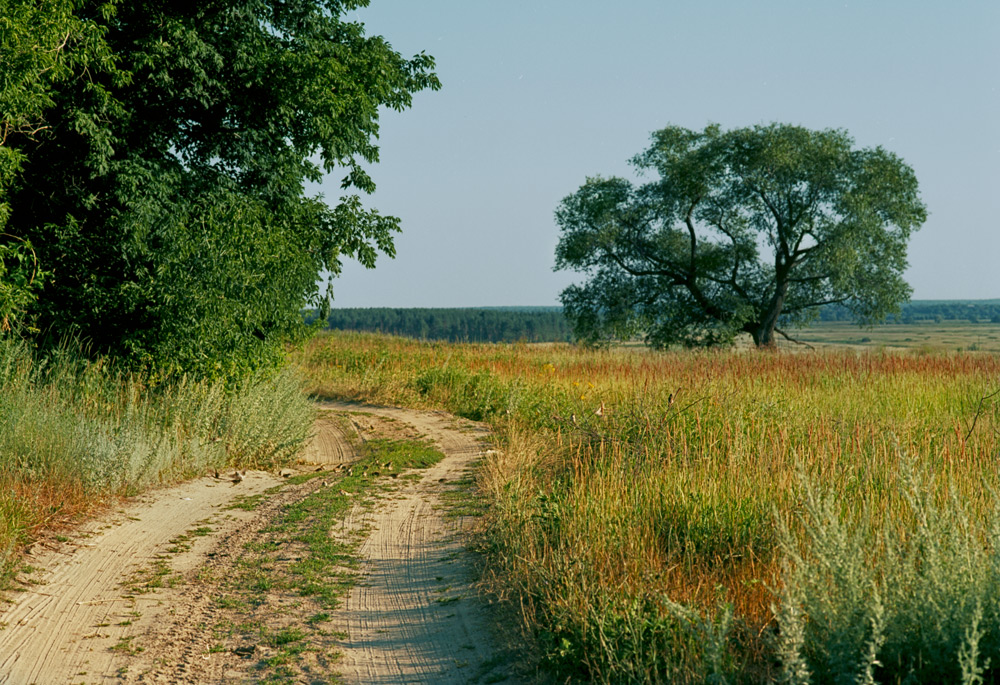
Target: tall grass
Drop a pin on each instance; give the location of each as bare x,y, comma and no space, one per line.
649,510
73,433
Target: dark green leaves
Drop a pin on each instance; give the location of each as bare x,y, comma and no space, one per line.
20,278
42,44
167,192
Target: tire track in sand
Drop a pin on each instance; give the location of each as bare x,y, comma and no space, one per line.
415,616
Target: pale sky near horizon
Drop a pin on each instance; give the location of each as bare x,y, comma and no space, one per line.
539,95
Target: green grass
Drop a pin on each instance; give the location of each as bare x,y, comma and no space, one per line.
464,499
924,337
385,456
125,646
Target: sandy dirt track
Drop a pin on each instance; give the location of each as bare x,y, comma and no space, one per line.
413,617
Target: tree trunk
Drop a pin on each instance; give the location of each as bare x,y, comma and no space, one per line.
763,335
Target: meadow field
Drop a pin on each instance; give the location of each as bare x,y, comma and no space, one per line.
828,516
921,336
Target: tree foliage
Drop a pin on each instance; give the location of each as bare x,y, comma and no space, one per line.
166,191
744,231
42,43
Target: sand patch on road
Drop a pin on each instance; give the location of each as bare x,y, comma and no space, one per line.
76,622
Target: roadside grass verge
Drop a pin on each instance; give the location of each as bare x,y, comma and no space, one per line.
74,433
289,580
647,511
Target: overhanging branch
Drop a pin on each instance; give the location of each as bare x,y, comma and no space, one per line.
632,271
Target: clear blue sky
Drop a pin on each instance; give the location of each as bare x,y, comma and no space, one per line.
537,95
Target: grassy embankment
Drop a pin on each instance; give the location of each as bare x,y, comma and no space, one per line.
75,434
647,511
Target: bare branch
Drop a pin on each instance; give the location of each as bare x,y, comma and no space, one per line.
791,339
767,202
780,244
691,232
805,250
61,45
620,261
732,282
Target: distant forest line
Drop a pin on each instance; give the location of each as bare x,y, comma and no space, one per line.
491,324
547,324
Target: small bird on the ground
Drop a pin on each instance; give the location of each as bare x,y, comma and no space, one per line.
236,478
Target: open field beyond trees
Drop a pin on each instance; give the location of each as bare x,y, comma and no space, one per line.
920,336
822,517
828,515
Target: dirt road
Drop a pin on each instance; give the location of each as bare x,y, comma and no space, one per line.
140,595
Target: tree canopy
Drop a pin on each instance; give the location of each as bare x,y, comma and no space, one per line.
160,175
743,231
41,44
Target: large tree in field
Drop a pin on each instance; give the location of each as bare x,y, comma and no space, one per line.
164,188
743,231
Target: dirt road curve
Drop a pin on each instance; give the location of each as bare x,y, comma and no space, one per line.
413,616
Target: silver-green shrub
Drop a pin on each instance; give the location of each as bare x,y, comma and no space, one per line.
912,600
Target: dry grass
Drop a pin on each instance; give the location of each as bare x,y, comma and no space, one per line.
76,434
